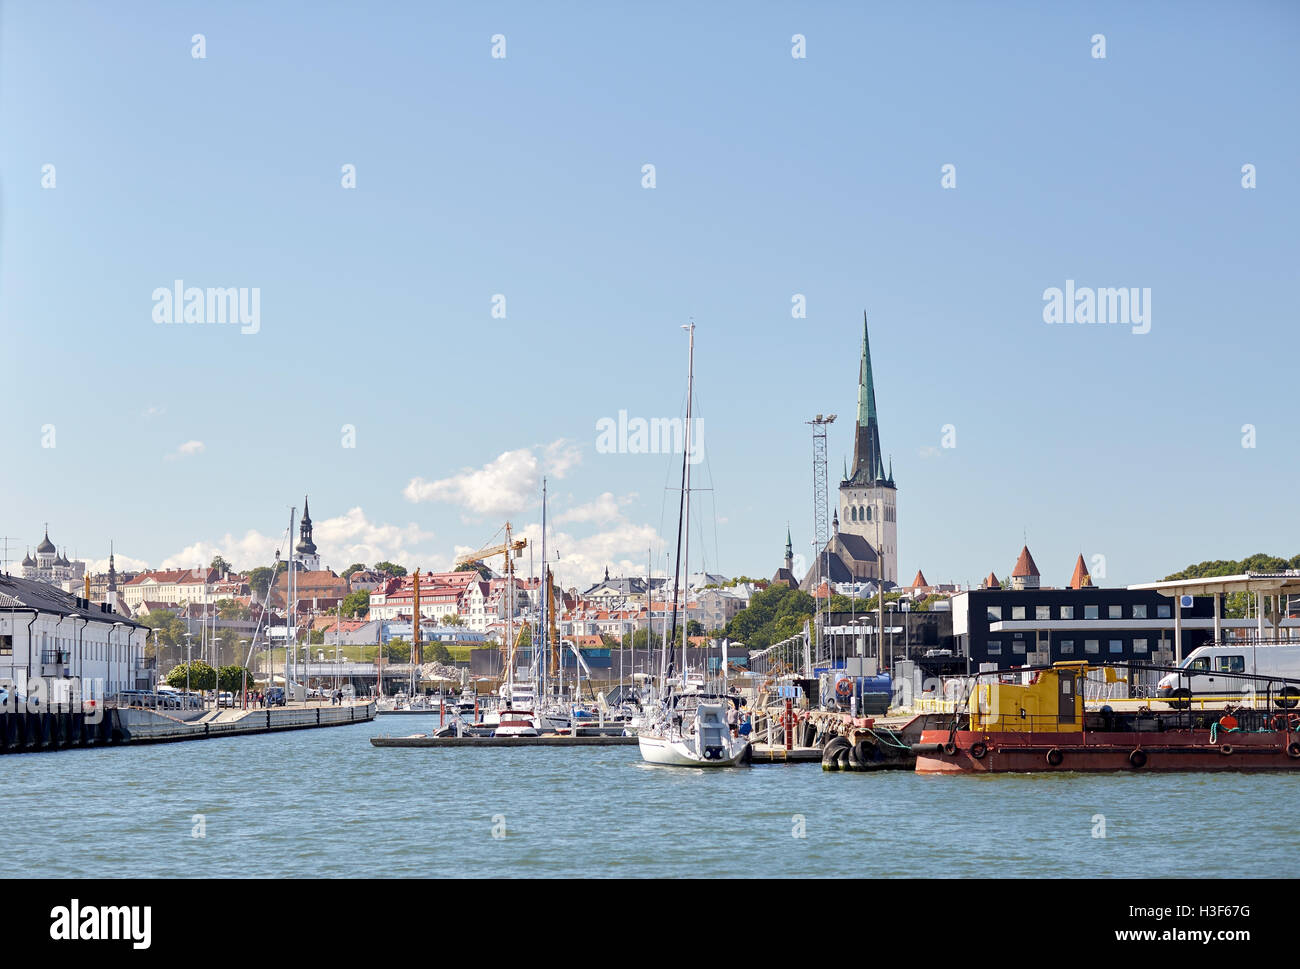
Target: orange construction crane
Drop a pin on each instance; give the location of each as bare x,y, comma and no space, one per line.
511,549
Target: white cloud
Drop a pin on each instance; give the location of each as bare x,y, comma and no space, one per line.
504,486
154,410
123,563
581,560
339,541
187,449
603,509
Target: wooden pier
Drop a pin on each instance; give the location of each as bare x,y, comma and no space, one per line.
422,740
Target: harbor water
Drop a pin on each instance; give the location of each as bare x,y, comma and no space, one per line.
326,803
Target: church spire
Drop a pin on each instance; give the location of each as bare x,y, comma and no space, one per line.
867,464
305,545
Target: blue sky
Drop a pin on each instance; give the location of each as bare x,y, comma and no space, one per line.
775,176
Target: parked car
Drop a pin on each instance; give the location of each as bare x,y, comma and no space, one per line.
275,696
226,699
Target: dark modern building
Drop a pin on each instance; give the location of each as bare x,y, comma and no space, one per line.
1020,627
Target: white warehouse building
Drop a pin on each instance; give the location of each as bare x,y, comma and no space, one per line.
46,633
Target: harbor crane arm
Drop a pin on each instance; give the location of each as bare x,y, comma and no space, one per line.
511,549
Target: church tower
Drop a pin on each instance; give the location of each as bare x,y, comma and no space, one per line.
868,495
304,552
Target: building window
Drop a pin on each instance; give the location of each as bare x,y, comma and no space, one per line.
1018,646
1139,646
6,645
1067,647
1140,610
1042,612
1117,645
1116,612
1162,612
1017,612
1092,645
1091,612
995,647
995,612
1067,612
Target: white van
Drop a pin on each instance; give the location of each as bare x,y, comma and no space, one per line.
1220,671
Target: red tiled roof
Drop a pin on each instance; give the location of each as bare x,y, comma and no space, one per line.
919,582
1025,564
992,582
1080,578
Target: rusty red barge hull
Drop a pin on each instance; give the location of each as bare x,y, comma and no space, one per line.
971,752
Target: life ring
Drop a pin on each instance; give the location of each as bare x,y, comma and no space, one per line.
1226,750
844,687
950,749
979,749
1138,758
1054,757
1293,751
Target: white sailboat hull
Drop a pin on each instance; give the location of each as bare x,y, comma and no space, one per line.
679,753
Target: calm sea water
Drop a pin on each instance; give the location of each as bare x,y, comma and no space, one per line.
327,803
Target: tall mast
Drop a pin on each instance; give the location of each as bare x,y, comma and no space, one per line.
539,648
684,503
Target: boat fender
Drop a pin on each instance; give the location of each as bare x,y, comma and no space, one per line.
1054,757
1138,758
926,748
1226,750
979,749
950,749
1293,751
864,753
844,758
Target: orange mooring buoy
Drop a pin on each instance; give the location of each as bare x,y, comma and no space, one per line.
1228,722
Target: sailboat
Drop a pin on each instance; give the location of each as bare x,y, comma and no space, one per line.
688,728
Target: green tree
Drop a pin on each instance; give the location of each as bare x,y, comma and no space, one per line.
391,568
397,651
438,653
220,564
451,619
260,579
757,626
356,603
232,679
482,568
201,676
354,568
231,609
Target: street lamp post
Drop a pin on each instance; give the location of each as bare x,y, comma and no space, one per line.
243,703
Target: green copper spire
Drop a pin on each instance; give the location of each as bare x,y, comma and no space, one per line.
867,464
